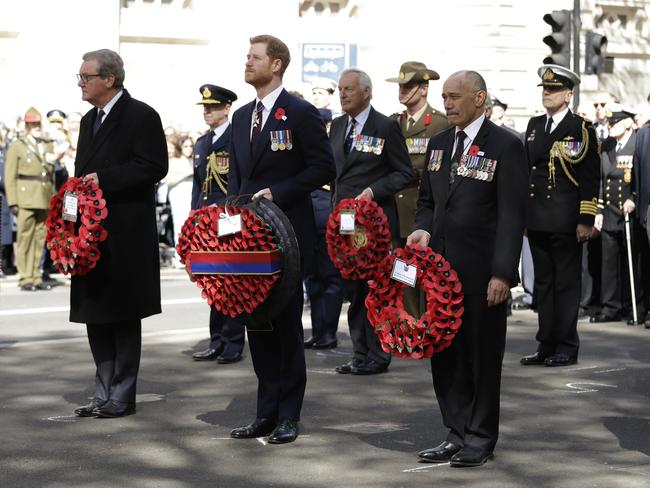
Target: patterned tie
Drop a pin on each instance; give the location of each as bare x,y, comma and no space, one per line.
257,122
549,124
455,159
98,121
347,145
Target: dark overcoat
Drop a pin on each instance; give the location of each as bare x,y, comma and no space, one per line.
129,155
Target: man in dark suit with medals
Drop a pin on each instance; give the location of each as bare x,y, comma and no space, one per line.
562,152
471,211
210,187
371,162
616,200
122,148
279,151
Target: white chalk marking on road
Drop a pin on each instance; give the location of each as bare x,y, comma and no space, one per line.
67,340
63,418
609,370
261,440
322,371
422,468
572,370
582,387
40,310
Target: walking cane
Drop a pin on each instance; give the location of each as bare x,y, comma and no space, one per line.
630,266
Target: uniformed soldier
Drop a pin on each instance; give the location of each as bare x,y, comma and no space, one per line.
562,152
210,186
616,200
418,122
29,181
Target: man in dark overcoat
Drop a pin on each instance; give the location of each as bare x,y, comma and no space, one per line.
280,152
471,211
122,148
372,162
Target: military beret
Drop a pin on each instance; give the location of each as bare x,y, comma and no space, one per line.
215,95
32,115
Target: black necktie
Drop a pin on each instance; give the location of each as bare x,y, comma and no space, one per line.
347,145
257,122
98,121
549,124
460,148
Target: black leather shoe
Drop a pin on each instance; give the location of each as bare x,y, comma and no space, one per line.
350,366
258,428
560,359
43,286
113,409
28,288
286,431
89,410
328,341
439,454
309,343
536,359
370,367
470,456
208,355
229,357
597,319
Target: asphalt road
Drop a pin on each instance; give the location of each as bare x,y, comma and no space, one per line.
583,426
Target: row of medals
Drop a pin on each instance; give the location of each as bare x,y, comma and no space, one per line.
281,140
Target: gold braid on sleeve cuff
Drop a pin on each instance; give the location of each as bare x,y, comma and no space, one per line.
589,207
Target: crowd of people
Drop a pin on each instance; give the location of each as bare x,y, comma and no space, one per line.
558,208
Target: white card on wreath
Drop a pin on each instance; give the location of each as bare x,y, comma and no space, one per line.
347,222
70,206
404,273
229,225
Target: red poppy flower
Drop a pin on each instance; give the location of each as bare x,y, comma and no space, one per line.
427,119
473,150
280,114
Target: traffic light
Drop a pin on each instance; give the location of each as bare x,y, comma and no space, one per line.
595,47
560,38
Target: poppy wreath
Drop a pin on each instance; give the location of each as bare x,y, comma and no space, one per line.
399,332
74,246
230,294
358,255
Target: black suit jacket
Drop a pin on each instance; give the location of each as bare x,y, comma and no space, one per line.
385,174
614,189
290,174
642,171
476,225
129,155
202,150
561,205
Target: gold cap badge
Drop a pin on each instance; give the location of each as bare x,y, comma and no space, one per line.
548,74
206,92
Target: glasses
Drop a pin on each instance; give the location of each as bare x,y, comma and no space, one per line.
86,78
602,105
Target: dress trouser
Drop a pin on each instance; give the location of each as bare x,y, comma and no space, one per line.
467,375
30,242
116,351
226,333
279,362
365,343
557,258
